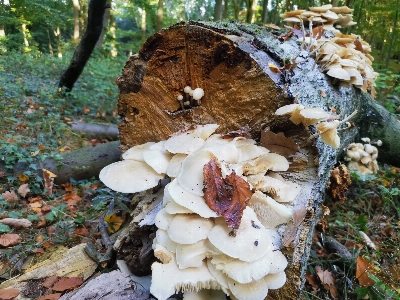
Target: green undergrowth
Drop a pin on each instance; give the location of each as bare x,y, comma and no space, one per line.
372,207
35,125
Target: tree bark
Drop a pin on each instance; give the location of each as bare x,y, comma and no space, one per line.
160,14
106,21
98,131
76,18
78,164
251,9
392,39
230,62
265,11
236,9
86,45
218,10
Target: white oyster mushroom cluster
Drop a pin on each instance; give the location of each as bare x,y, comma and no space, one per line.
198,254
327,15
362,157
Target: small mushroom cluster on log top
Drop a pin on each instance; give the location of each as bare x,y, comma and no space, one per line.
205,245
362,158
330,17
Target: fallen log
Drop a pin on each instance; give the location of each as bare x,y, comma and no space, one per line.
77,164
96,131
230,62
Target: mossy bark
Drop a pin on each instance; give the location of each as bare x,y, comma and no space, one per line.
230,62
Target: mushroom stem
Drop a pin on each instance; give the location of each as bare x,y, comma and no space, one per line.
311,35
341,122
180,100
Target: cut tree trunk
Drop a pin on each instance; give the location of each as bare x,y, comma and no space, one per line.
97,131
230,62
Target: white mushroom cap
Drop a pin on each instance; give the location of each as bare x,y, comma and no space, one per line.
353,155
341,9
293,110
308,14
268,184
366,159
369,148
275,281
189,229
314,115
269,212
290,193
330,15
175,164
221,278
379,143
157,159
322,8
174,208
191,177
292,20
136,152
328,132
205,295
278,262
192,255
204,131
241,271
179,98
187,89
162,253
163,219
251,242
167,279
366,140
184,143
163,239
198,93
247,152
129,176
254,290
191,93
226,152
359,167
191,201
265,162
339,73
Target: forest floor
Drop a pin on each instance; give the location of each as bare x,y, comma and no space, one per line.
35,125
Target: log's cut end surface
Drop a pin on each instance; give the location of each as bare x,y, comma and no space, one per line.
237,91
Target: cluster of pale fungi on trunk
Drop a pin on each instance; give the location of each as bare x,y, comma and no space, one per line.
190,98
198,253
345,57
362,157
327,130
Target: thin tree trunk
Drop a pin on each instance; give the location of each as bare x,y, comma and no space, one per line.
114,51
24,33
225,11
251,9
50,47
218,10
76,18
2,32
160,14
236,9
143,24
265,11
86,45
393,35
57,34
106,20
335,3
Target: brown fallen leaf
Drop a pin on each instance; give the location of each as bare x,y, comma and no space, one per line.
227,197
317,32
10,196
312,280
9,239
50,281
237,133
8,294
23,190
48,178
50,297
65,284
323,94
327,280
71,196
278,143
23,177
363,269
81,231
358,45
16,222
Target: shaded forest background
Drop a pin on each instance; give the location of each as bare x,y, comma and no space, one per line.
54,27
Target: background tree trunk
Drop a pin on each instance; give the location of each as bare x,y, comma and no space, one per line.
392,39
160,14
218,10
86,46
106,22
230,62
264,11
76,18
